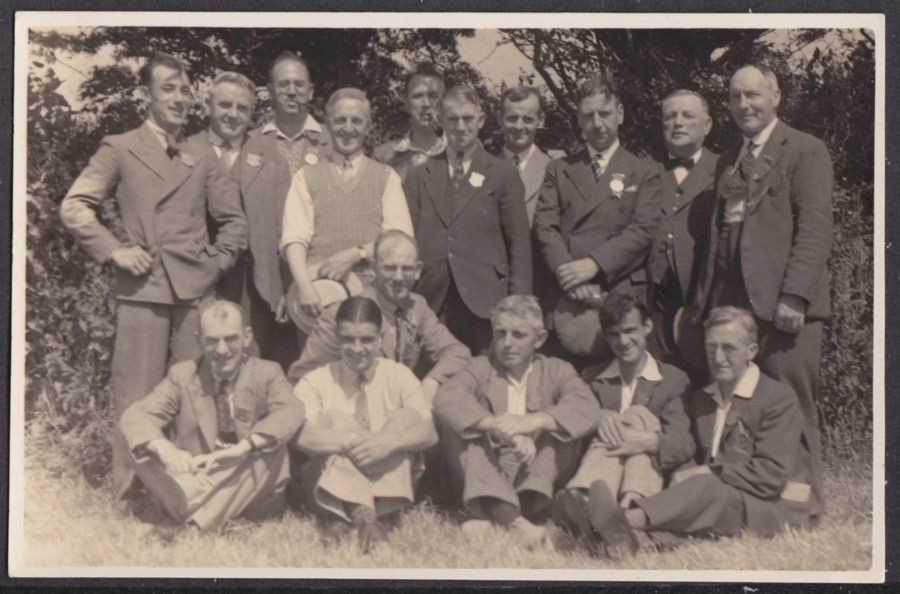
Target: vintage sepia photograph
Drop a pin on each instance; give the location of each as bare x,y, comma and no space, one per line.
448,296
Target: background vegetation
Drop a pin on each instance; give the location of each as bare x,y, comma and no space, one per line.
827,80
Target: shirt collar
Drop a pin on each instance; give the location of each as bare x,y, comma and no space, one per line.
338,160
161,134
650,370
217,140
763,136
523,156
467,155
309,125
405,145
230,381
347,377
389,308
606,154
744,387
519,385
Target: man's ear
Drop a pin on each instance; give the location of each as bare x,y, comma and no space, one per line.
777,94
419,267
142,93
620,113
541,120
754,350
541,338
481,120
248,337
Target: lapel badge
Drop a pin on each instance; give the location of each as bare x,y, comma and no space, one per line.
254,159
311,158
476,179
617,184
187,159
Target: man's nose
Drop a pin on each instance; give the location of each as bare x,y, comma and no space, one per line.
222,348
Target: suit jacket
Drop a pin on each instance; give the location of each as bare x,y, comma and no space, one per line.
484,246
763,446
664,398
184,402
553,387
532,178
423,332
787,231
683,230
577,217
164,205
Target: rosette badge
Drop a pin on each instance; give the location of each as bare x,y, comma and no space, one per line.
311,158
617,184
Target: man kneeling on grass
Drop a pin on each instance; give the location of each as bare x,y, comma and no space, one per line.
229,416
517,419
367,417
752,468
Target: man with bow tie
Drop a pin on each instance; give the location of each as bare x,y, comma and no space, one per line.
688,199
595,221
770,238
469,215
163,263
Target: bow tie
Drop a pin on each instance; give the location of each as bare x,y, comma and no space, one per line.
673,162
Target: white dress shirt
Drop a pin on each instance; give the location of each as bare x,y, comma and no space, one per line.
650,372
744,389
516,394
680,171
231,154
466,160
605,155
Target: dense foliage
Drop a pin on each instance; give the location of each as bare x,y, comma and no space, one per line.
828,91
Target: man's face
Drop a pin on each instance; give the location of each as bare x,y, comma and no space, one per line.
348,124
628,338
360,344
520,121
423,100
461,121
170,97
685,124
230,110
728,352
515,340
397,268
600,116
223,341
290,88
752,100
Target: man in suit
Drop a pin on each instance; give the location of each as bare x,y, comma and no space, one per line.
229,417
770,239
162,267
516,422
425,137
469,215
595,221
688,199
752,469
521,114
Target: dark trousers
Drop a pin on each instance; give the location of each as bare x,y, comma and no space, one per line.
468,328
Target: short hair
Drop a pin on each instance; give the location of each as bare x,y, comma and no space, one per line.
235,78
767,73
283,56
145,74
687,92
359,309
347,93
220,309
727,314
599,83
525,307
462,94
392,236
618,305
423,70
521,93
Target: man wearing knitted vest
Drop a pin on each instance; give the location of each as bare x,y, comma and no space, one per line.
337,206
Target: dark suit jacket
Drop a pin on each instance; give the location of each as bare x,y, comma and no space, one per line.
578,217
164,205
263,402
484,246
786,237
683,230
664,398
553,387
532,178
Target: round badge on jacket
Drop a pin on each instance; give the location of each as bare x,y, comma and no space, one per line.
311,158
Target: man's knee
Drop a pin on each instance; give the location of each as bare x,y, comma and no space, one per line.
337,421
639,416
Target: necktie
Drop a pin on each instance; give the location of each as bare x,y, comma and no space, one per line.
224,420
673,162
748,161
398,321
171,146
458,169
225,153
517,161
597,167
361,410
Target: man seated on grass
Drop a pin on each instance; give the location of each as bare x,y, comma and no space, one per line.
752,469
643,430
366,418
517,419
229,416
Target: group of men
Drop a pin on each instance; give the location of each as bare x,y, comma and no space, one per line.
567,340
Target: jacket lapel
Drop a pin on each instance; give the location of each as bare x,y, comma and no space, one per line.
437,180
582,177
705,422
202,399
149,152
697,180
768,159
255,155
182,166
497,394
534,389
601,191
533,174
609,393
480,165
644,391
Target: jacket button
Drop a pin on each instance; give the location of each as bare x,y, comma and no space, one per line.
679,191
621,210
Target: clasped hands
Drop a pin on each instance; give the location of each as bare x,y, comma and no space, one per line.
623,440
516,431
368,451
179,461
573,278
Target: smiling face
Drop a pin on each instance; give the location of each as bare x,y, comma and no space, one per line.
729,352
290,88
230,110
753,100
349,123
515,340
628,338
423,100
600,116
685,124
397,268
520,121
170,97
360,344
224,339
461,121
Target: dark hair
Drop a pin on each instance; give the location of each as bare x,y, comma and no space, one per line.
423,70
617,306
521,93
599,83
358,309
462,94
145,74
286,55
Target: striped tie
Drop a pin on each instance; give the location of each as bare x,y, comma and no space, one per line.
597,167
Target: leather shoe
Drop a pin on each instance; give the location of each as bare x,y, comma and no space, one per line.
609,520
570,511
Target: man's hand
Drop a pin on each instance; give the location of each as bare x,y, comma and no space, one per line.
689,472
627,498
610,428
337,266
524,448
508,426
587,293
281,312
636,441
175,460
212,461
572,274
790,313
134,259
430,387
371,450
310,303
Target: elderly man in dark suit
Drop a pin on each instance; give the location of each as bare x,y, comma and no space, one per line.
165,263
770,238
688,199
469,216
595,221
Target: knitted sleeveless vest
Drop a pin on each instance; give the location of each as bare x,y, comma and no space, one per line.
346,213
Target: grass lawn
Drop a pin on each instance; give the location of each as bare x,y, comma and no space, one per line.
69,523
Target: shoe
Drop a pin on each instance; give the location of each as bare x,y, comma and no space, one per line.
609,520
334,531
169,533
477,529
529,535
371,534
570,511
